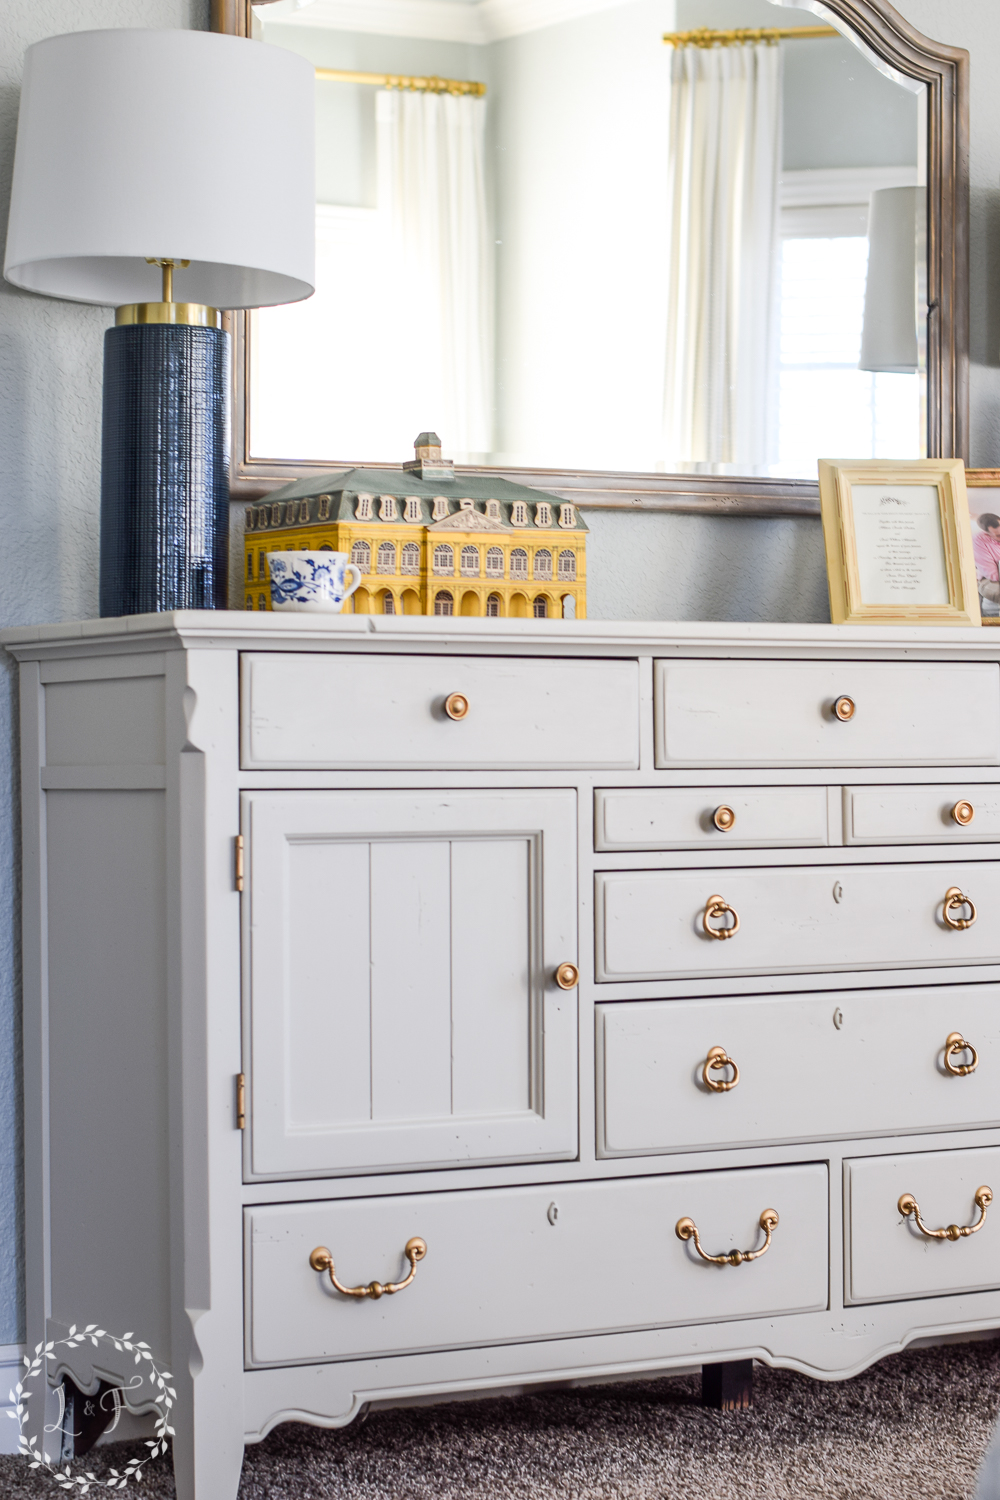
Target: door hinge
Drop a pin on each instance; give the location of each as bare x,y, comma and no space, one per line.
239,862
241,1101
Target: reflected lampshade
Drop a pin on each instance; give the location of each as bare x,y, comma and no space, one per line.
895,238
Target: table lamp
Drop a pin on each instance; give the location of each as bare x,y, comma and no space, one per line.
154,165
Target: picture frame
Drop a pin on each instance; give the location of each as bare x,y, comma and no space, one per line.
898,542
983,486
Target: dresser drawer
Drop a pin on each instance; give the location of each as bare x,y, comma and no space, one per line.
707,817
757,713
922,814
888,1257
650,924
805,1068
301,711
509,1265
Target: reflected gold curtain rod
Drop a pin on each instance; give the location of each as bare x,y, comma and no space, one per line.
456,86
704,37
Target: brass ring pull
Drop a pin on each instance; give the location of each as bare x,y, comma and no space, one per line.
908,1205
322,1260
723,818
955,1044
844,709
715,907
716,1061
456,705
687,1229
567,976
963,813
954,900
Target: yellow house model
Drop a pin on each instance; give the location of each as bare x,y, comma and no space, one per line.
440,544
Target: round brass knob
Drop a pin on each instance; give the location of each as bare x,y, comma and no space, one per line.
567,976
954,900
715,907
723,818
844,708
955,1044
963,813
456,705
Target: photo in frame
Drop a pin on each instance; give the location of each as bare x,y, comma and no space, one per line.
899,550
983,487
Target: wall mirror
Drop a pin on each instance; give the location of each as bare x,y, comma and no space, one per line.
662,252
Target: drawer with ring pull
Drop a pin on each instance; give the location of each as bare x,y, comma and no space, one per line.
921,1224
378,1276
688,1075
678,924
327,710
826,713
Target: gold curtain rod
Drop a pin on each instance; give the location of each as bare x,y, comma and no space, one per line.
455,86
705,37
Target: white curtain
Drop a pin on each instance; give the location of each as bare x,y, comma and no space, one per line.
725,162
432,185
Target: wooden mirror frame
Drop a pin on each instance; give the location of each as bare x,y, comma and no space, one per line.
945,72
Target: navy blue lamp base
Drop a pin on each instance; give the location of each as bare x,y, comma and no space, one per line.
165,469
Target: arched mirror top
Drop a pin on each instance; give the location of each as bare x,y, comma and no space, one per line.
653,253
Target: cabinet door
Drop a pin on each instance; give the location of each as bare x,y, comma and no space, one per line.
401,950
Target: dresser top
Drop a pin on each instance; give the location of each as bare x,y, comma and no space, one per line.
249,631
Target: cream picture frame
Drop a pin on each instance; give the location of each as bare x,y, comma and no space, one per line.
898,544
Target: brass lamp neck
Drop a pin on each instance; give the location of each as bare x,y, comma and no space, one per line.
167,310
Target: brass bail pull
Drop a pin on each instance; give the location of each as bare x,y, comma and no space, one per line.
954,1045
954,901
717,1061
415,1250
687,1229
910,1208
716,910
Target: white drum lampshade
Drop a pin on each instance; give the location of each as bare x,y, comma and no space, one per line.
895,237
188,155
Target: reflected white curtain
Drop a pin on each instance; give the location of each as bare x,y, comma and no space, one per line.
432,186
725,162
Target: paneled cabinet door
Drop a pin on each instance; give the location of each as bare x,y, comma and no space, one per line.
401,1002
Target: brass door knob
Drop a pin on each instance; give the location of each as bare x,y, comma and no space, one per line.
687,1229
955,1044
567,976
844,708
716,1062
954,900
963,813
723,818
321,1260
715,908
908,1206
456,705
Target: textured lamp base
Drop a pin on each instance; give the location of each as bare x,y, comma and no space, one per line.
165,469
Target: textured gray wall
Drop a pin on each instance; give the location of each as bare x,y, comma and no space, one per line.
641,566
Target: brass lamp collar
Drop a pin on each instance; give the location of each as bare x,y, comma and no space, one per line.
167,310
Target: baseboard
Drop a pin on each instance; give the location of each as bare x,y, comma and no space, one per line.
11,1369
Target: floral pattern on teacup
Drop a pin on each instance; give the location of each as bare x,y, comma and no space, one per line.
301,580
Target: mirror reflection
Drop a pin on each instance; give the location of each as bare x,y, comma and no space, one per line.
583,246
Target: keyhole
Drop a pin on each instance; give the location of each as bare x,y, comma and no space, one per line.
838,1018
553,1213
838,891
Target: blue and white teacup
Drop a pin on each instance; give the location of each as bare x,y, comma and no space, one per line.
312,580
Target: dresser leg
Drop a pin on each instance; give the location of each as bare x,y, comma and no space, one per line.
728,1386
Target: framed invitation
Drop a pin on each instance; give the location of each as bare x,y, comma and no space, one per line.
899,548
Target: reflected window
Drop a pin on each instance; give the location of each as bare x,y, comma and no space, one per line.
444,603
411,558
386,557
543,563
361,556
518,563
470,562
540,608
494,562
444,559
567,565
